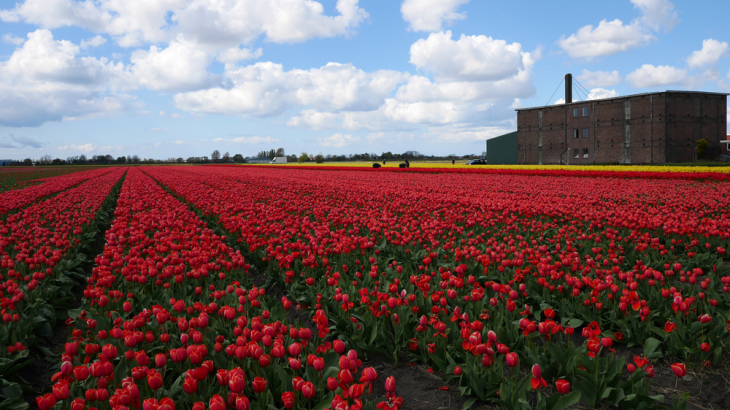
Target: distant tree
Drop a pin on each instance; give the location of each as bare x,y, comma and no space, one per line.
180,160
238,158
191,160
204,159
45,160
122,160
226,157
319,158
701,147
215,156
108,158
280,152
291,158
303,158
82,159
27,162
135,159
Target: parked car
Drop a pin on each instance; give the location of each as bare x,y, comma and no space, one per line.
476,162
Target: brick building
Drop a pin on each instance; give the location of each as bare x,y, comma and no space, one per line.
644,128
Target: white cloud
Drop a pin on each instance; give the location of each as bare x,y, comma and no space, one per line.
559,101
176,115
710,53
44,80
265,89
600,78
93,42
161,114
9,38
248,140
429,15
598,93
459,134
222,23
650,76
235,54
338,141
182,66
87,148
609,38
469,58
313,119
158,129
657,14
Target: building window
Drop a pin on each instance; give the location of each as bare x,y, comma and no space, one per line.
585,152
576,153
585,111
575,112
585,132
575,133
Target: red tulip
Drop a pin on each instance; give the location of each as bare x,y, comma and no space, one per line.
390,384
46,402
217,403
562,386
288,399
259,384
154,380
679,369
242,403
512,359
308,390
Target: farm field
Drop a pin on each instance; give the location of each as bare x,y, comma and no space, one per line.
12,178
285,287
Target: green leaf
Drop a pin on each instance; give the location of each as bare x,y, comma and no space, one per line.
469,403
650,347
374,334
588,392
568,400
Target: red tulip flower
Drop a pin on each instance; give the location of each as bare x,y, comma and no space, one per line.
46,402
679,369
512,359
563,386
288,398
259,384
308,390
390,384
537,380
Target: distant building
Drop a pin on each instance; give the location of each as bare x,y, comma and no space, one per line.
502,149
650,128
258,160
6,162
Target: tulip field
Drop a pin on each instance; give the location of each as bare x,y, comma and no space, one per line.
264,287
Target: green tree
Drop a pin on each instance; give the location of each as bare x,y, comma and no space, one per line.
122,160
303,158
319,158
238,158
701,146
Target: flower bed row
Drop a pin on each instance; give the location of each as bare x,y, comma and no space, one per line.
712,174
12,178
472,274
18,198
172,321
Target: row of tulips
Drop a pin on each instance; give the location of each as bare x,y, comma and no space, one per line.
36,245
673,173
41,246
12,178
485,274
19,198
172,321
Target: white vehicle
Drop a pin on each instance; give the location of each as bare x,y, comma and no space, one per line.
278,160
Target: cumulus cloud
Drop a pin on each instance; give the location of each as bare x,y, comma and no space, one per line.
598,93
600,78
657,14
653,76
88,148
95,41
710,54
265,89
469,58
224,22
9,38
338,141
430,15
182,66
45,80
609,38
235,54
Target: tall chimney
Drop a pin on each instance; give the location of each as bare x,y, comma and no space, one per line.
568,88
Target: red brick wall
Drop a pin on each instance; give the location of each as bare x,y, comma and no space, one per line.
662,127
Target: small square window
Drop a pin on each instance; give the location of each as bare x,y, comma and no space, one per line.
575,133
585,111
585,152
585,132
575,112
576,153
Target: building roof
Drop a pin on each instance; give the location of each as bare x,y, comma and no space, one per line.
621,97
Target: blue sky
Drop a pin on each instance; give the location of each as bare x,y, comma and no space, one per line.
180,78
